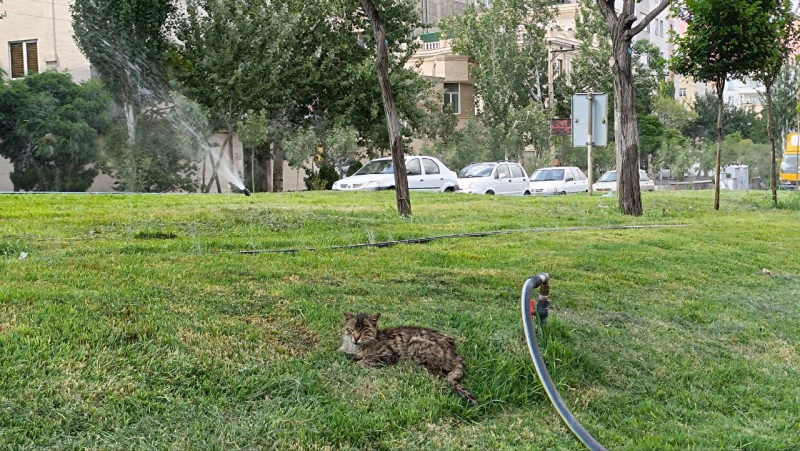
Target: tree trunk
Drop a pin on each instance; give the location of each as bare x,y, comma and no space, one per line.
215,166
389,107
624,25
720,85
768,90
263,168
626,130
277,166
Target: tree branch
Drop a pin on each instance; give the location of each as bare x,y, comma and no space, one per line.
607,10
649,17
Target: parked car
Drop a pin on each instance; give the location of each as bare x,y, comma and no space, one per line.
608,182
558,180
424,173
502,177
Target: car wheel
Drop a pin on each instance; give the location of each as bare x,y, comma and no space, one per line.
563,193
490,192
449,189
526,193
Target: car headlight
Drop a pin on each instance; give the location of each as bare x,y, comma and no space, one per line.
473,185
373,184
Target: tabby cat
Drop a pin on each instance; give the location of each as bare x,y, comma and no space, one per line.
431,349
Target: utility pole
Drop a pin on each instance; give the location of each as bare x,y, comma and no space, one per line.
590,140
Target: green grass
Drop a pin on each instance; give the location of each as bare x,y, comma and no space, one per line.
135,323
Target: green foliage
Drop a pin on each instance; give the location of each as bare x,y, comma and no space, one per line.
477,142
650,136
127,42
784,101
648,76
703,126
671,113
322,179
507,41
169,144
676,153
50,129
756,156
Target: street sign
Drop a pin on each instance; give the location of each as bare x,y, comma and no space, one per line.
560,127
580,120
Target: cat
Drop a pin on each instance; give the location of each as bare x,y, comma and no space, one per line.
428,348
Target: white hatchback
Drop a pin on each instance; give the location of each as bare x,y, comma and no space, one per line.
494,178
424,173
558,180
608,182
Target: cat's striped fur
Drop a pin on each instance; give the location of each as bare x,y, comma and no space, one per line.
428,348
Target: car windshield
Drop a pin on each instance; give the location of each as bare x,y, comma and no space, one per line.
545,175
610,176
789,163
377,167
476,170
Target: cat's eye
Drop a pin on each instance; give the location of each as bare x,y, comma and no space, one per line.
349,331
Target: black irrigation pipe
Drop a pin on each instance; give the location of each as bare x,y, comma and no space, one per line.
539,308
458,235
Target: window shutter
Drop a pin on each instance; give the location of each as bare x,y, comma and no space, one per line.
17,60
33,58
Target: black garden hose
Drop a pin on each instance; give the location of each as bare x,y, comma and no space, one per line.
542,281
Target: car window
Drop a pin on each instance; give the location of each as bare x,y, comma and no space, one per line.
610,176
412,167
377,167
544,175
581,175
430,166
476,170
516,171
502,171
570,174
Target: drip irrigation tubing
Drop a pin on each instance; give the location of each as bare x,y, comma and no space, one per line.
542,281
457,235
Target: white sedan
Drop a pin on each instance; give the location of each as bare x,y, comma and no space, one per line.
559,180
494,178
608,182
424,173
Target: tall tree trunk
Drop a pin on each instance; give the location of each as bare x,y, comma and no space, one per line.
389,107
720,86
277,166
624,25
215,166
626,129
773,174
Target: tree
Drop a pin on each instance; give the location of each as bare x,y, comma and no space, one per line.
50,129
779,23
624,25
784,100
165,154
126,41
719,43
507,42
671,113
389,108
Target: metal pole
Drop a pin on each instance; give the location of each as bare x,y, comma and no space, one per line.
590,141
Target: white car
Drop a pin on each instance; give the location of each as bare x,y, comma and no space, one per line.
424,173
494,178
558,180
608,182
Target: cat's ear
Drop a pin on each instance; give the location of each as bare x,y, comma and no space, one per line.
348,316
374,318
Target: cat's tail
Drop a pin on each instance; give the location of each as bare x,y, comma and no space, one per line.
454,379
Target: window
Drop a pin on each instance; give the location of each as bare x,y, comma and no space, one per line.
682,92
430,166
412,167
452,96
559,66
24,58
516,171
502,171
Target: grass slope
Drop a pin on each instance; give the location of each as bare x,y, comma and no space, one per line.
135,324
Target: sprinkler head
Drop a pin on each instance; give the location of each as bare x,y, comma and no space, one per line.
246,192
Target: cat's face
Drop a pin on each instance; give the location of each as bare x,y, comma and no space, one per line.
361,328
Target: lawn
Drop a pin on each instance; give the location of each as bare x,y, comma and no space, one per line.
136,322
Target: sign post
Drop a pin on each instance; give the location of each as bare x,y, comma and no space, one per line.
590,109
